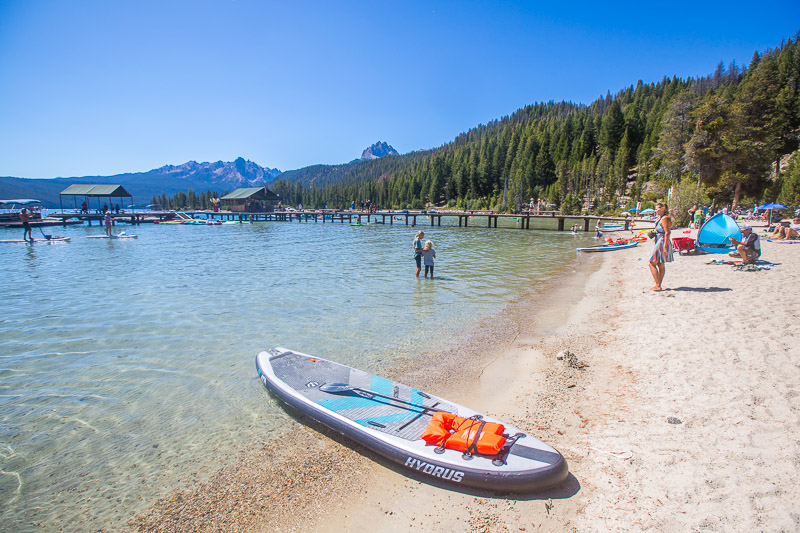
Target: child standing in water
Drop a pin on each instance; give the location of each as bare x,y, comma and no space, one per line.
428,255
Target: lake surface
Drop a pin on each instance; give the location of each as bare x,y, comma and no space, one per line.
127,366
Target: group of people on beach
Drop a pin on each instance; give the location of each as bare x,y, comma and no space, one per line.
748,249
423,253
792,231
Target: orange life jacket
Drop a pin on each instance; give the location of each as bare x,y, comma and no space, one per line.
463,434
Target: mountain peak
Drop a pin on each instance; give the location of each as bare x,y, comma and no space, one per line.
379,149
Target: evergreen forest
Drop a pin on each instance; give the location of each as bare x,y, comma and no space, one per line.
729,138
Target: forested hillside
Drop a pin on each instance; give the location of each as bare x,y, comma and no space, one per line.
720,137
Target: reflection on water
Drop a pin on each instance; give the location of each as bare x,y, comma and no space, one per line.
127,366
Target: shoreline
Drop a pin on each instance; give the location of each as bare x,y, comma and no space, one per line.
227,500
674,424
519,380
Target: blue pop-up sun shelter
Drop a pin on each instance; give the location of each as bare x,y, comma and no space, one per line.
714,236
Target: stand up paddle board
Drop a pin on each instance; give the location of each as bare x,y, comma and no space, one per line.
37,241
609,247
390,418
118,236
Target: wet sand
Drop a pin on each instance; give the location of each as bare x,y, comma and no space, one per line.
667,421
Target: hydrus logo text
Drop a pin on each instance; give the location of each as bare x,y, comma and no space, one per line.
433,470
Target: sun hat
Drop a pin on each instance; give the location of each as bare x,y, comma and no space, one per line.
746,226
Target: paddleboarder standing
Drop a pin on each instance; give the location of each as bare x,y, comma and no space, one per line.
107,220
25,217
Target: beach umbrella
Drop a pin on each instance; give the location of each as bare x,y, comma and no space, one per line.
714,236
647,211
769,207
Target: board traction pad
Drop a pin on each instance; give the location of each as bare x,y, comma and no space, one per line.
306,374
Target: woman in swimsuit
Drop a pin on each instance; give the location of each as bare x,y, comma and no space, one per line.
662,250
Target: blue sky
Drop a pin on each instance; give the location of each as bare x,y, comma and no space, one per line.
105,87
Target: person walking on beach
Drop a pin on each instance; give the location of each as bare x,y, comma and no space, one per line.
428,255
418,251
662,249
25,217
107,220
698,218
691,212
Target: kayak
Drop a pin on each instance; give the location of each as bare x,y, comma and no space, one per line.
609,247
639,238
391,419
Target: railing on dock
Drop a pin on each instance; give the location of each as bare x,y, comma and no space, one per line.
408,217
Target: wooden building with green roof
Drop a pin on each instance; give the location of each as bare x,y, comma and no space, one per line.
251,200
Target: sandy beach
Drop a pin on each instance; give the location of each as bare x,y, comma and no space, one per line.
678,412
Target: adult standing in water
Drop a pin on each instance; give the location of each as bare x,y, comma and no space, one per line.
662,249
418,246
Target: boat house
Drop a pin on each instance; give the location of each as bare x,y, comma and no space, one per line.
251,200
88,191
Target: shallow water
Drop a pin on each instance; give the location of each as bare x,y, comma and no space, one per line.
127,366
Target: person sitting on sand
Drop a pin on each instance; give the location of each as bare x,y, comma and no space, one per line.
792,231
749,248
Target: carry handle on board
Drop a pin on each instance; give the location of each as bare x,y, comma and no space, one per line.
340,388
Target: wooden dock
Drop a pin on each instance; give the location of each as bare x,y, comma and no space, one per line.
403,217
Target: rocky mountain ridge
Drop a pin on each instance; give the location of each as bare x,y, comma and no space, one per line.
218,176
237,173
378,150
